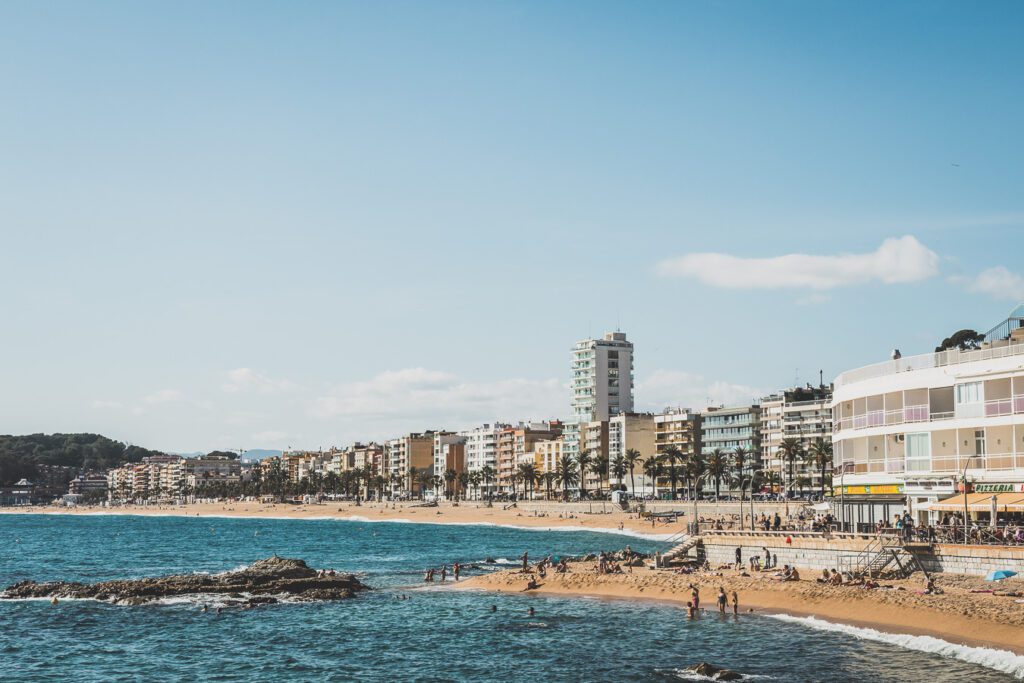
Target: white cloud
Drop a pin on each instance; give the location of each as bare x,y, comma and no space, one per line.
165,396
897,260
812,299
247,379
100,404
1000,283
418,398
675,388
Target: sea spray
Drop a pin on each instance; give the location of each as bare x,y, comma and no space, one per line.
998,660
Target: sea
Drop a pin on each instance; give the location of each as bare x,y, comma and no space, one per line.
435,635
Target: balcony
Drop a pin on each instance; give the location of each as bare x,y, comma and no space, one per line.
926,361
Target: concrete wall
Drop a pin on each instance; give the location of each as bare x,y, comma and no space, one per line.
813,552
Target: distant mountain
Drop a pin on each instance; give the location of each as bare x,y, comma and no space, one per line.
259,453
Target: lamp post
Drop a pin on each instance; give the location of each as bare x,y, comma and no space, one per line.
963,479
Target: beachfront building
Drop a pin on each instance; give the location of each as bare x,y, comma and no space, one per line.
729,428
516,445
367,456
802,413
909,430
632,431
208,470
594,440
407,455
449,454
547,454
482,453
601,377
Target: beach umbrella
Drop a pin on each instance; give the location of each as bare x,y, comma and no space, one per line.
999,574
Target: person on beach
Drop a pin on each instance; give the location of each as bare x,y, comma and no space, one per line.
739,557
526,561
767,558
444,572
532,584
456,568
695,596
723,599
735,604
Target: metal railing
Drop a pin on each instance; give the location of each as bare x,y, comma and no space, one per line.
925,361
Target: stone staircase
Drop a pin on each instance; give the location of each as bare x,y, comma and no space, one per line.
680,545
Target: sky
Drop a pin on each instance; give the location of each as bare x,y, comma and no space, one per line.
263,225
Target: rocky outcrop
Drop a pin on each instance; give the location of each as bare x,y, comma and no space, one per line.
713,672
263,582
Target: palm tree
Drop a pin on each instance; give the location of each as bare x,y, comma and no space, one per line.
528,472
631,458
474,482
487,472
567,474
819,456
600,468
618,468
789,451
802,482
653,469
672,457
424,479
740,455
450,475
463,479
583,460
549,480
717,469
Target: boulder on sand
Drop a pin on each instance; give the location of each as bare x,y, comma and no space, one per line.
262,582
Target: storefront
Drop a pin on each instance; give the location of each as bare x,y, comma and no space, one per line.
987,504
861,507
923,492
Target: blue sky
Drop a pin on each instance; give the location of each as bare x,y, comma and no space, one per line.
272,224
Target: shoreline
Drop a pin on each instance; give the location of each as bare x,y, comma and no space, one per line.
898,613
443,515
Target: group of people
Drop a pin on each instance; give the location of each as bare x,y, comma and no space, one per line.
428,576
693,604
771,560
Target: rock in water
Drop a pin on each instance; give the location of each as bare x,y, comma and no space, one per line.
713,672
262,582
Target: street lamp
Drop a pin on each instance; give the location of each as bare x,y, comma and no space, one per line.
963,479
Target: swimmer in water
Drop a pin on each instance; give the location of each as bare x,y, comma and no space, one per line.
494,608
531,612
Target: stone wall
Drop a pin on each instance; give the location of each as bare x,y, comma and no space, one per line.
813,552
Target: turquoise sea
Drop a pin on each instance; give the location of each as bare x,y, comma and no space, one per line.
437,635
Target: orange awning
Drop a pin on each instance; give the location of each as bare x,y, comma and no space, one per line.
981,502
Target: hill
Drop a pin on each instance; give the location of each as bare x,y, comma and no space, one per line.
23,456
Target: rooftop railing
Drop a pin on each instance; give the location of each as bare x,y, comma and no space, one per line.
926,361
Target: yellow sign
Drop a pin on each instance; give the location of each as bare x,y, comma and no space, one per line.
869,490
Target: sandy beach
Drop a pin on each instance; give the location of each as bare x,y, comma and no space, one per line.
957,615
444,513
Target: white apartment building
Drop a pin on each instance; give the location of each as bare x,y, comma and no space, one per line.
908,430
482,446
602,378
803,413
443,451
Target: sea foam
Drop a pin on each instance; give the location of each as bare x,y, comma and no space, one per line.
999,660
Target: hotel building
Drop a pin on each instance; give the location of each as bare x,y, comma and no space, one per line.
730,428
907,430
602,384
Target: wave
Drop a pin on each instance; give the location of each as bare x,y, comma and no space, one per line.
998,660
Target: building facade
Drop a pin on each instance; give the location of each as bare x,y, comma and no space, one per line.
803,413
907,432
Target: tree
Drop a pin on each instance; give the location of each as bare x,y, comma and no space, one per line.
790,450
583,460
654,469
463,484
528,472
717,469
671,458
567,474
424,478
549,480
740,455
964,340
474,482
487,473
819,456
450,475
618,468
632,458
600,467
695,469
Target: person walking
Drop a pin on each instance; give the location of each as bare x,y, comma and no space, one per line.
723,600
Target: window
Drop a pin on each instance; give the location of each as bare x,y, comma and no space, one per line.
919,452
969,393
979,442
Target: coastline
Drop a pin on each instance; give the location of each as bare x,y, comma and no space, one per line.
957,617
465,514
